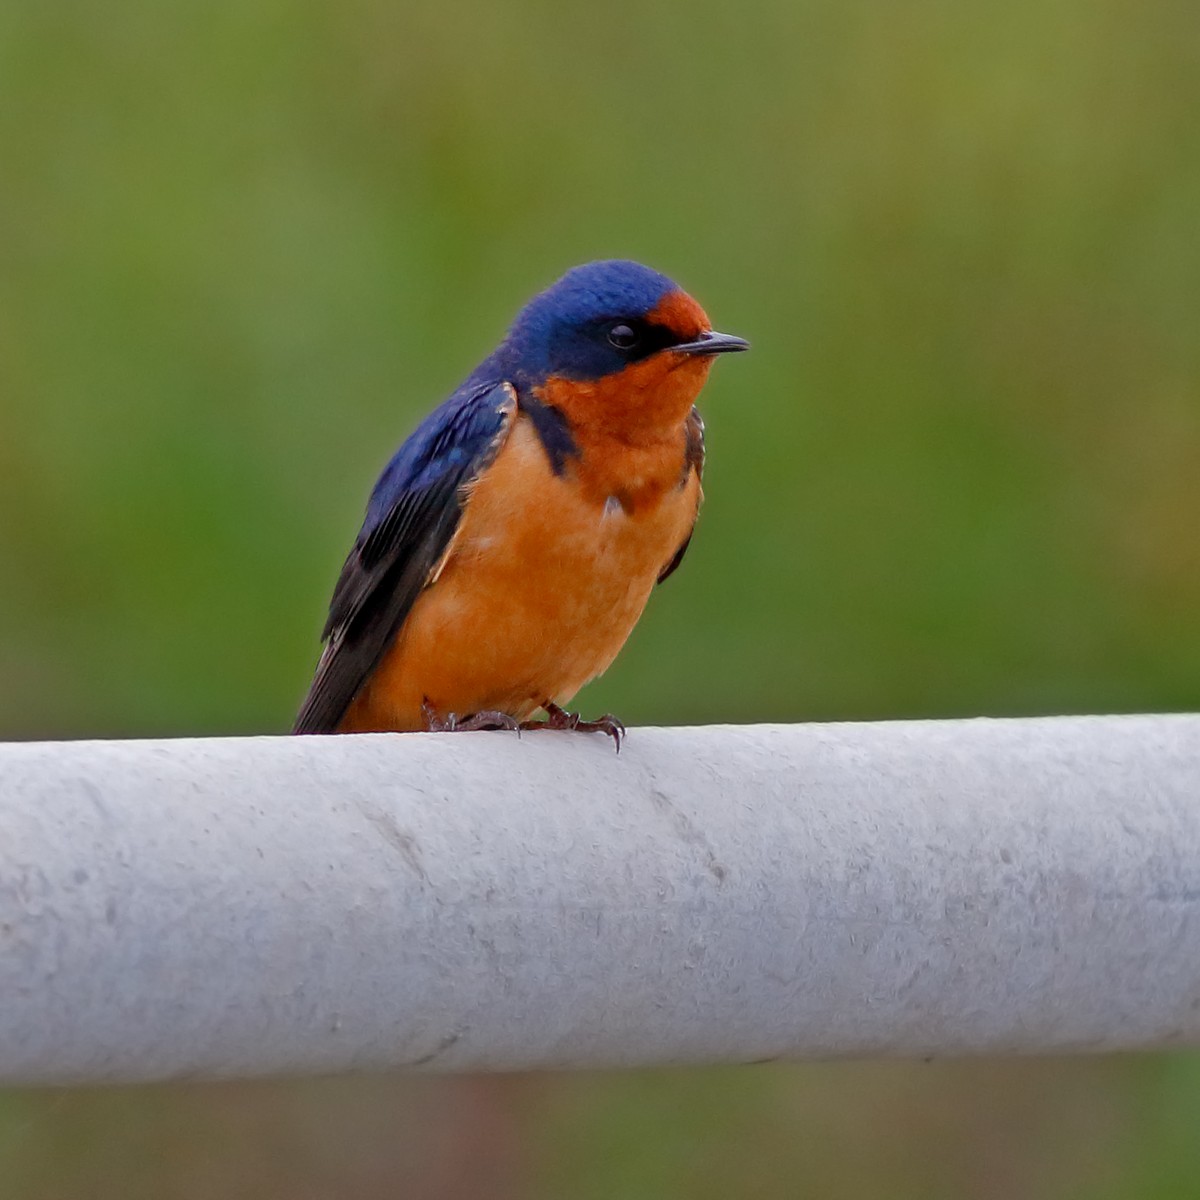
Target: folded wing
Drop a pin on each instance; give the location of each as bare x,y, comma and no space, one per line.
412,515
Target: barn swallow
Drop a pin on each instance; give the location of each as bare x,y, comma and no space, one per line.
511,544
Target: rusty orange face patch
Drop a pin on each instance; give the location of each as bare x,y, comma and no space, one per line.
647,400
681,314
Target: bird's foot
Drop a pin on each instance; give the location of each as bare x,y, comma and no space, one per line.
559,718
453,723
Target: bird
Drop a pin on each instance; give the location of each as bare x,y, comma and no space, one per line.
512,542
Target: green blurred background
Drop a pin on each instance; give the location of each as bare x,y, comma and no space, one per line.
245,245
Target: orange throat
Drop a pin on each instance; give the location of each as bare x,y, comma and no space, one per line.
646,402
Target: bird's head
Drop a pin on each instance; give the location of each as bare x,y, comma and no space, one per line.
617,343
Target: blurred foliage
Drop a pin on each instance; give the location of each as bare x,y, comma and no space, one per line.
243,246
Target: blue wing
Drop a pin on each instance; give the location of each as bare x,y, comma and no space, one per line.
412,515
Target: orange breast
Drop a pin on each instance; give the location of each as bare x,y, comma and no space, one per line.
542,583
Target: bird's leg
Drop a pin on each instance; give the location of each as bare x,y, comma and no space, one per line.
453,723
559,718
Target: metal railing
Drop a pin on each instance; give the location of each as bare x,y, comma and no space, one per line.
271,906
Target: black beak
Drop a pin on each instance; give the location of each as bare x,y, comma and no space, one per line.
712,343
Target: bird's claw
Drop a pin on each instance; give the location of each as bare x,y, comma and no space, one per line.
559,718
453,723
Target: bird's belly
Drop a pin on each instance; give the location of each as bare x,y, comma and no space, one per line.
538,592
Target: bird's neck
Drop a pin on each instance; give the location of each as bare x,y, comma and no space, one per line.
643,405
628,430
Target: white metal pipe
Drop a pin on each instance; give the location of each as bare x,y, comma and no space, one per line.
243,907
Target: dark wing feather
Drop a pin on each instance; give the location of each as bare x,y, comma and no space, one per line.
413,513
693,461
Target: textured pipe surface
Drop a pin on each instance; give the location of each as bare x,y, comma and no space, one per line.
264,906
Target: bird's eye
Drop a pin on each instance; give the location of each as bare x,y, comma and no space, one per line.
623,336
